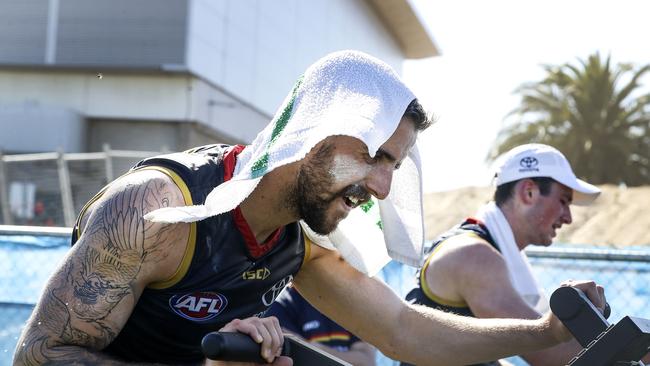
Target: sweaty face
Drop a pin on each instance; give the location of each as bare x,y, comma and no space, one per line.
339,175
549,213
316,193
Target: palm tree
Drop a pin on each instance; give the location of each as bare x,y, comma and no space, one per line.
593,113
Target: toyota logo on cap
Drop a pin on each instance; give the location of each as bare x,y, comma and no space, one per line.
528,162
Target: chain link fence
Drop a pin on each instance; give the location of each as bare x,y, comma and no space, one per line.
29,255
624,274
49,189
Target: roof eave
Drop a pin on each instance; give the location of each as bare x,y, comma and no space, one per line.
409,31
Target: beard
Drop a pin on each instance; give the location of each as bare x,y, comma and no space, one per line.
311,197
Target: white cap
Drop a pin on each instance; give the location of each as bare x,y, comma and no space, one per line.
538,160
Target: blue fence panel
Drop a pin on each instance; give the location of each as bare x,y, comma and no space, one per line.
28,260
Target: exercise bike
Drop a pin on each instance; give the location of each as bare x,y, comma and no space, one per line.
604,344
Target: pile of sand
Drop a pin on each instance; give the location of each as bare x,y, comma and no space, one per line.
619,217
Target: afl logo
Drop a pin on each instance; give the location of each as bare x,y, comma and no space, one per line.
198,306
528,162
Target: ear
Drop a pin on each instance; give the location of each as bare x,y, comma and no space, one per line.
527,191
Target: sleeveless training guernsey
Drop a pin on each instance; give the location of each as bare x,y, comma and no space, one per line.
422,295
224,273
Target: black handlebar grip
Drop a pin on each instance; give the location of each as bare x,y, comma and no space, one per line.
578,314
233,346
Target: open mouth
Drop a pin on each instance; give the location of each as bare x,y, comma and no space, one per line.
355,195
352,201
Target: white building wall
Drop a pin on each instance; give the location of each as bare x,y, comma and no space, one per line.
35,127
122,96
130,97
222,112
256,49
241,60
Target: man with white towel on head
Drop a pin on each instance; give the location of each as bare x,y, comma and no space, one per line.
479,269
204,240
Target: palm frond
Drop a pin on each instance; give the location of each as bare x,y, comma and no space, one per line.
581,110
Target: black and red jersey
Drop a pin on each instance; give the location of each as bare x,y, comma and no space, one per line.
225,274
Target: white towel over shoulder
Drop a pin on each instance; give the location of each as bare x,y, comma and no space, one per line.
519,268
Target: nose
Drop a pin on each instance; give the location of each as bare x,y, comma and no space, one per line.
567,215
379,180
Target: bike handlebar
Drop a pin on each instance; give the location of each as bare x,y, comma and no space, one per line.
239,347
232,346
578,314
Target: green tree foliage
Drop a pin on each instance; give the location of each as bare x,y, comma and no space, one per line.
594,113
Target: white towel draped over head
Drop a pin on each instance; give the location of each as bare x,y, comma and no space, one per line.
345,93
519,268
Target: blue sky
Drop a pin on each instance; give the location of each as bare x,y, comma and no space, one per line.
488,49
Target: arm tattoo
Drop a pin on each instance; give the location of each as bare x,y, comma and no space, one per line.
77,308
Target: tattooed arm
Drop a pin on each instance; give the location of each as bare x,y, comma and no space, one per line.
91,295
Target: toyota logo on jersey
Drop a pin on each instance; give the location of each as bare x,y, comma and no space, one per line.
198,306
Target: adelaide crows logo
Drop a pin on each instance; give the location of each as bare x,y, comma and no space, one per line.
528,163
198,306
